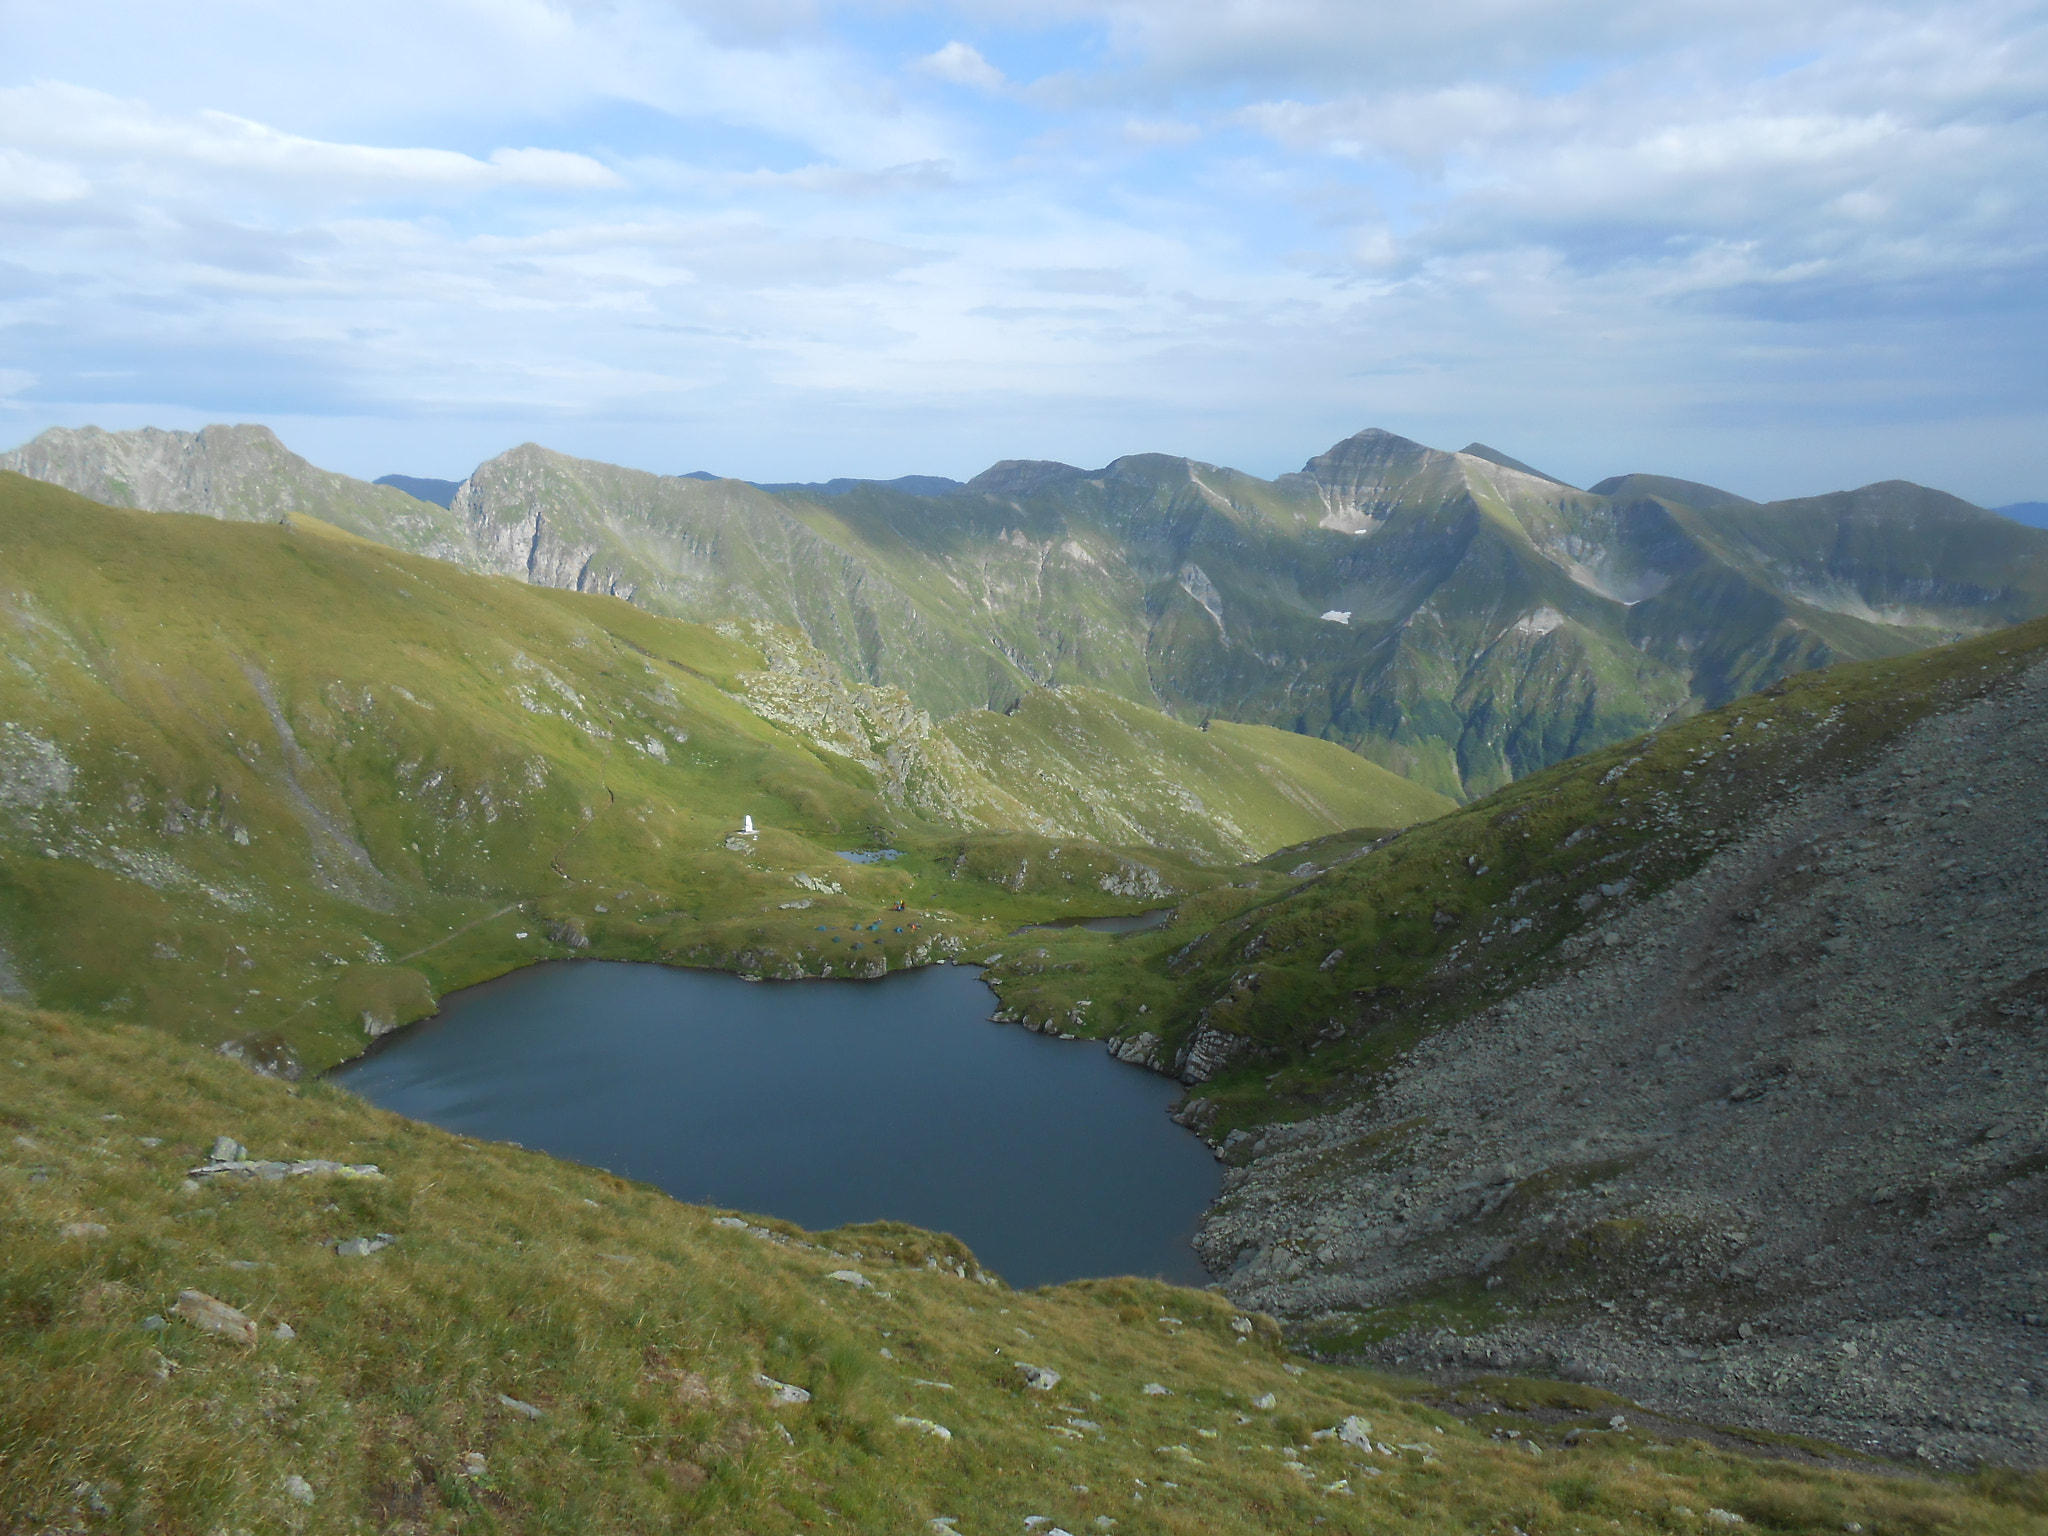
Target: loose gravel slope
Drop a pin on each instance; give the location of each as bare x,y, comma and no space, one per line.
1769,1145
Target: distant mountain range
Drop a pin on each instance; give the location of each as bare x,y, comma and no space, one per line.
2033,513
440,492
1461,618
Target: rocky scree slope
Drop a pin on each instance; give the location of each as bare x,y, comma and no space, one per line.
1458,617
1758,1130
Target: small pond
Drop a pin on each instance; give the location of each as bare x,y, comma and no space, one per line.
822,1102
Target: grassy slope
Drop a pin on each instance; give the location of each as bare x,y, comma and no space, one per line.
274,780
637,1326
279,782
1451,915
1076,762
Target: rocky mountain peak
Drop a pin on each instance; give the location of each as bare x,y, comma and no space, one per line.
200,472
1495,456
1362,478
1023,477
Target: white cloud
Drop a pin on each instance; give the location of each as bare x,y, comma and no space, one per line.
1695,235
961,64
1161,130
93,129
30,179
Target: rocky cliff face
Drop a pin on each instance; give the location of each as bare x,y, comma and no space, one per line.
1771,1143
238,473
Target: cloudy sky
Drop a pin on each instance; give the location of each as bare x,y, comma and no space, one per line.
1780,245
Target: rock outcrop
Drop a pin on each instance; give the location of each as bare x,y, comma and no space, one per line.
240,474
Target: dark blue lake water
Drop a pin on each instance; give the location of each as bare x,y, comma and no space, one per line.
822,1102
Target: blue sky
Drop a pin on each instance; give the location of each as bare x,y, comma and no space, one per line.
1782,247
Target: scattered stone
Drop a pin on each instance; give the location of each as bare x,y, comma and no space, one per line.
298,1490
474,1465
284,1333
266,1054
1723,1517
154,1324
1265,1400
1037,1377
210,1314
1153,1389
729,1221
151,1141
923,1426
1240,1325
1356,1433
852,1277
523,1409
85,1231
782,1391
363,1247
228,1150
272,1172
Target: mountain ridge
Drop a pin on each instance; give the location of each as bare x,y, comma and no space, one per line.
1456,617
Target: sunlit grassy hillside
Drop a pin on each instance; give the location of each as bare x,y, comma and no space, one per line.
275,782
1075,761
544,1348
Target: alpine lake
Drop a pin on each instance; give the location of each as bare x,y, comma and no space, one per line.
823,1103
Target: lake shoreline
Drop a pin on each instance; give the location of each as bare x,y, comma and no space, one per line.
851,1104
